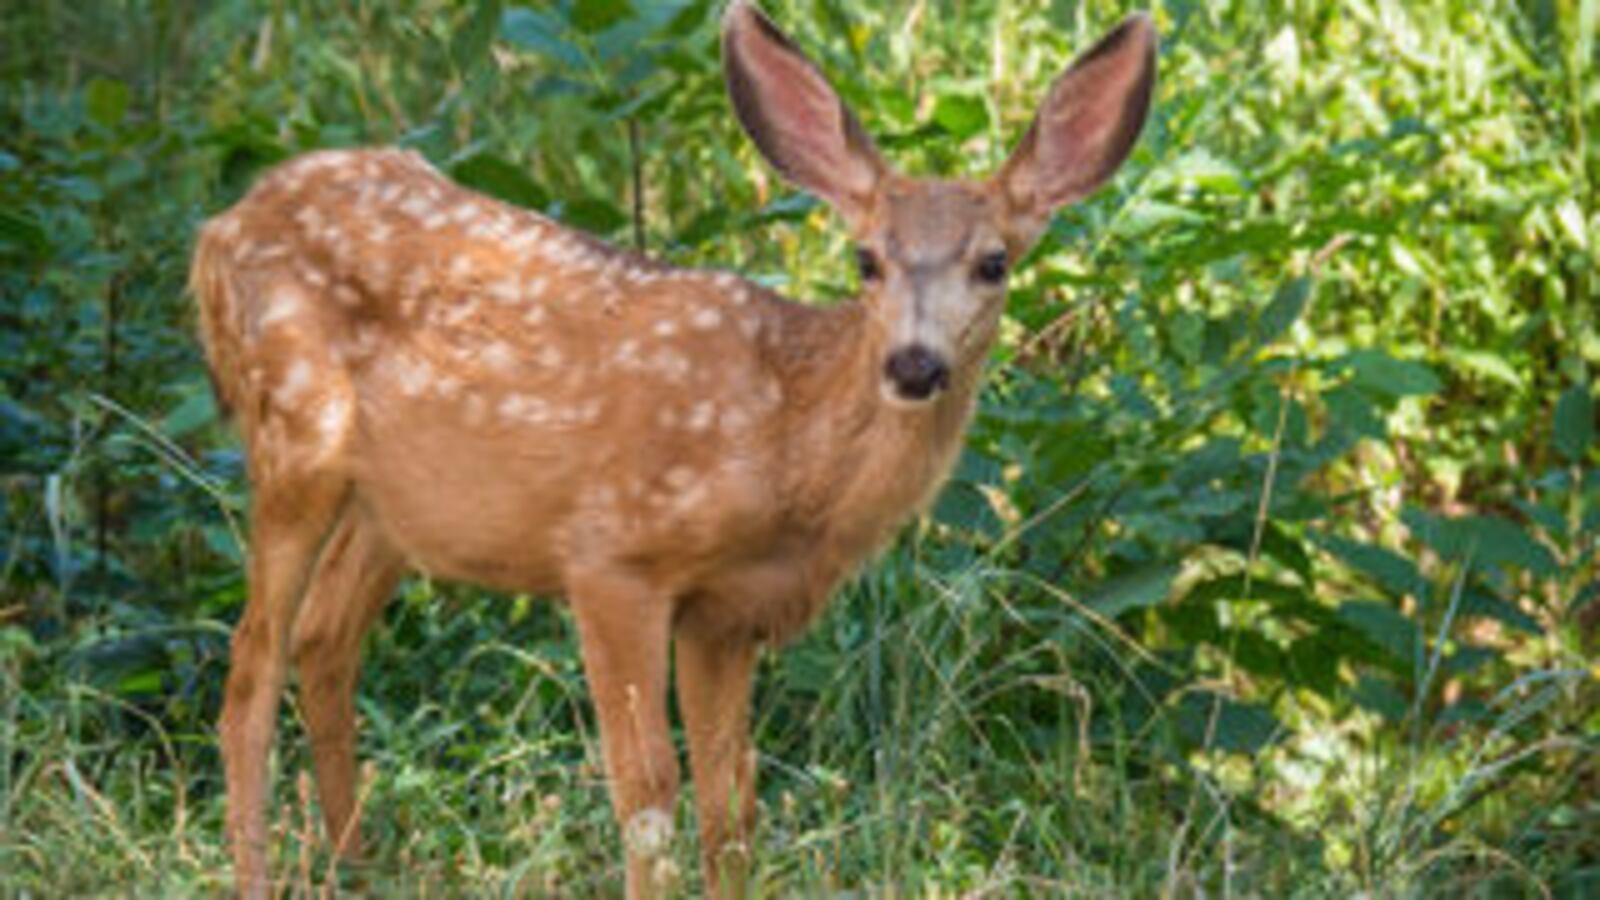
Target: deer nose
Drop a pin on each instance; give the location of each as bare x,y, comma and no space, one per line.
916,372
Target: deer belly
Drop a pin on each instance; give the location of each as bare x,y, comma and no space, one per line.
464,512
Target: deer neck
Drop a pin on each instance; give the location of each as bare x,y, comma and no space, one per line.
859,464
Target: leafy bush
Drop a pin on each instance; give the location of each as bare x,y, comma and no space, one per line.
1271,564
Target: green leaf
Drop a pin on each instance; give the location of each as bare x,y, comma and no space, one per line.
542,33
1380,696
1135,590
500,178
1393,572
197,409
961,115
1215,722
595,216
470,45
222,543
1199,169
1380,373
1574,424
1143,216
1485,540
21,230
106,101
1485,364
1478,603
1384,628
146,682
590,16
1286,307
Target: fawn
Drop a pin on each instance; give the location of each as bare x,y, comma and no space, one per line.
429,380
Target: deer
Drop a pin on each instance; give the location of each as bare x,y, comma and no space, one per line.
428,380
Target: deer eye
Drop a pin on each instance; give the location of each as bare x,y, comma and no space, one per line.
867,264
991,267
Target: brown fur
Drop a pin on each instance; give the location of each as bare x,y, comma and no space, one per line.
429,380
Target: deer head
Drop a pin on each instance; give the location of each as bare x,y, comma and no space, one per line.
934,255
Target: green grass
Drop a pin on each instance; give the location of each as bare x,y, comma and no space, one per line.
1272,567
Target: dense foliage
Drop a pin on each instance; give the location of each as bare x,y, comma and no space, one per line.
1272,565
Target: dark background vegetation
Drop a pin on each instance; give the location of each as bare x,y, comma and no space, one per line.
1271,566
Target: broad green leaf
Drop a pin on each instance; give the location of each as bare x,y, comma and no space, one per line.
1144,216
591,16
1380,696
541,32
22,230
595,216
1486,364
1479,603
1485,540
1380,373
106,100
1385,628
1215,722
1136,590
1200,169
500,178
197,409
1286,307
1574,424
146,682
961,115
1394,573
470,45
222,543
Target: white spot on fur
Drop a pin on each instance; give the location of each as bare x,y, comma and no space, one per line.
666,328
627,355
549,356
411,375
286,303
521,407
295,383
706,318
331,421
701,415
499,356
649,833
227,227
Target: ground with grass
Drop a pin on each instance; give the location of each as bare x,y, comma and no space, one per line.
1270,569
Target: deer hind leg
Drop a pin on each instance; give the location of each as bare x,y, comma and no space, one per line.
299,416
289,524
624,631
352,582
714,673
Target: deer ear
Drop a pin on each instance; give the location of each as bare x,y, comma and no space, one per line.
793,115
1087,124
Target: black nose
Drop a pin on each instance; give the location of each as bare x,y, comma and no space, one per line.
916,372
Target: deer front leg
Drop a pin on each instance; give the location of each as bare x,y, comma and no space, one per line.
624,629
714,675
